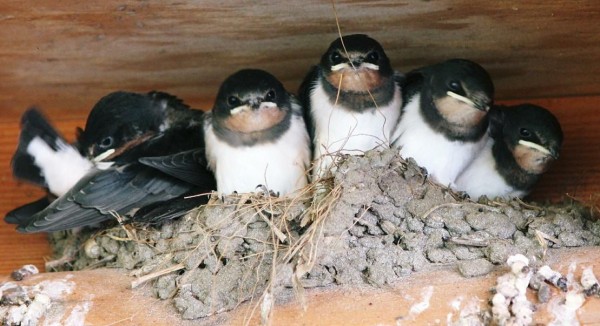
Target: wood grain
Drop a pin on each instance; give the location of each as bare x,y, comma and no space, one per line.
112,302
65,55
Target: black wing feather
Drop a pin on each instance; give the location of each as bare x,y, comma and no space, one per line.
121,190
22,214
190,166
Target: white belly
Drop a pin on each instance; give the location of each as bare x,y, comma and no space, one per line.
61,169
481,178
280,166
338,131
444,159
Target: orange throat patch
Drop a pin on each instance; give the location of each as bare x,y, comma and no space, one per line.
459,113
251,120
531,160
361,80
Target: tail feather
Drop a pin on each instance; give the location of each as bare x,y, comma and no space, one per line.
33,126
22,214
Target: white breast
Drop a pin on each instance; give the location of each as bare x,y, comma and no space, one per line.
444,159
346,132
281,165
61,169
481,177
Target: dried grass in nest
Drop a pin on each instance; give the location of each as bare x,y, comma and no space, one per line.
295,225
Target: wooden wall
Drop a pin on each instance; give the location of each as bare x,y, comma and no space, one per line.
63,56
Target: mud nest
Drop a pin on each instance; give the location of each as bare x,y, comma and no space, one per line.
378,220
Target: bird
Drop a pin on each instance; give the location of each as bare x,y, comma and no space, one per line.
523,141
256,137
124,128
117,122
444,117
46,159
351,99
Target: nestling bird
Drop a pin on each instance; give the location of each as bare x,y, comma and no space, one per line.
524,140
161,125
444,117
256,136
351,100
119,121
46,159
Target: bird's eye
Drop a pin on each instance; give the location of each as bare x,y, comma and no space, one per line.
270,96
525,133
233,101
454,86
106,142
373,57
336,58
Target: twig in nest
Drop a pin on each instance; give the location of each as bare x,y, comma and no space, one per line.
145,278
282,237
543,239
470,242
100,262
527,205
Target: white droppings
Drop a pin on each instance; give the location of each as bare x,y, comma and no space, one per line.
553,277
510,304
78,314
455,304
589,282
565,310
15,315
56,289
470,315
421,306
36,309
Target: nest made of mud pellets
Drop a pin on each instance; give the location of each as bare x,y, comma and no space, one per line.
381,220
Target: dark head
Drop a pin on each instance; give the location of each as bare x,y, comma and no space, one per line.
461,90
360,60
118,119
249,103
531,133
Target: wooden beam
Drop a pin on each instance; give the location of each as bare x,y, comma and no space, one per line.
110,300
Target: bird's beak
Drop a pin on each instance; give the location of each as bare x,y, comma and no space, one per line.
552,153
369,65
340,66
103,155
240,109
477,104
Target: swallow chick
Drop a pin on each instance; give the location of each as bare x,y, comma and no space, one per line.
256,136
444,117
524,140
351,100
125,185
122,120
116,122
44,157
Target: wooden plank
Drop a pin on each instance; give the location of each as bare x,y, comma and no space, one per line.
392,306
112,302
64,56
